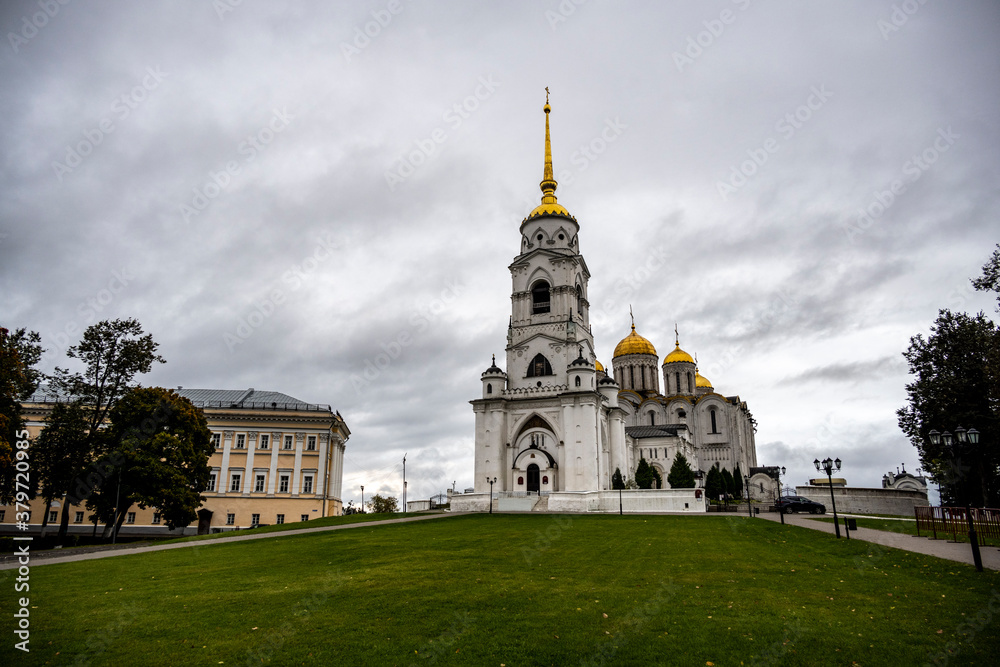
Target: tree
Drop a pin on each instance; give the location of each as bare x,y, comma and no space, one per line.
713,483
616,480
680,476
644,475
113,353
738,482
728,483
383,504
160,445
956,385
990,280
20,351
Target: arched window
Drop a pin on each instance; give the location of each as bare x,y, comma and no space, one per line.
539,366
652,418
577,380
540,298
642,375
689,382
711,413
631,377
677,382
579,300
489,388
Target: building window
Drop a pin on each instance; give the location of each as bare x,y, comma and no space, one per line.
280,519
3,514
677,382
230,519
78,517
711,413
652,418
216,440
53,516
254,519
540,298
288,442
631,378
211,482
235,484
579,301
283,484
241,441
489,388
130,517
259,484
265,441
689,382
539,366
311,443
577,380
307,484
304,517
156,517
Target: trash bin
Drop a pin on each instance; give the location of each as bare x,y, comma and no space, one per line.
852,524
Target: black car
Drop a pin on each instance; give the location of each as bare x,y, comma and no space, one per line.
791,504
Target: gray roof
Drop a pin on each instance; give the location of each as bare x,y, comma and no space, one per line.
213,398
658,431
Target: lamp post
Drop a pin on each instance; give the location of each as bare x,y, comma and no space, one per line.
491,481
746,485
780,513
964,437
362,498
828,467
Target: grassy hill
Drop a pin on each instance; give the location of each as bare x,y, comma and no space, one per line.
517,590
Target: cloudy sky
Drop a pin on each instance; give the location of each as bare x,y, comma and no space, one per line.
322,198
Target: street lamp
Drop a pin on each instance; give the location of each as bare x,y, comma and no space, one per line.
780,513
362,498
964,437
491,481
746,485
828,467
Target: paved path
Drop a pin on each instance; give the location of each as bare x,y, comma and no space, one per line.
50,557
956,551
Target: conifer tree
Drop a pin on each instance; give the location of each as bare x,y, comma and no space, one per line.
681,476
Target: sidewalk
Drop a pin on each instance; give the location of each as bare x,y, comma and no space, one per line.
955,551
67,556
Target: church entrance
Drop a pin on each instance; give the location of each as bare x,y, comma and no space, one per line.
533,482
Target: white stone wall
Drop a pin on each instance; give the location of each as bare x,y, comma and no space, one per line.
632,500
852,500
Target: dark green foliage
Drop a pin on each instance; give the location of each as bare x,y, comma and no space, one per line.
738,482
19,353
728,483
113,353
616,480
713,483
955,384
681,476
383,504
645,476
159,445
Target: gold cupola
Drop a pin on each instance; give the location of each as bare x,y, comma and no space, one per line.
678,354
549,206
634,344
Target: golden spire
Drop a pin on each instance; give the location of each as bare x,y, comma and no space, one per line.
548,184
677,336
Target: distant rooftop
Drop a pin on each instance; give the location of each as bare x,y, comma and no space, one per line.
657,431
245,399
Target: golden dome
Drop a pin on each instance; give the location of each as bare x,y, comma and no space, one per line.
634,344
678,355
599,366
701,381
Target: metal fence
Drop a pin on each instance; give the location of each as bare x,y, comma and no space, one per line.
952,523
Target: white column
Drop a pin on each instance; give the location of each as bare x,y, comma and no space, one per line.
250,481
300,443
222,485
272,473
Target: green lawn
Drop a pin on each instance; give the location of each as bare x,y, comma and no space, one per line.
298,525
906,526
517,590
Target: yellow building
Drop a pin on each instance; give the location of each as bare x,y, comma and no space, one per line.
277,460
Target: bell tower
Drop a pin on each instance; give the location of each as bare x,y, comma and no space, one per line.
550,312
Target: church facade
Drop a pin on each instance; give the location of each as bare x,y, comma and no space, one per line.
554,420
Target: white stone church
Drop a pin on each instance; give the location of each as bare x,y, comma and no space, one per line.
554,423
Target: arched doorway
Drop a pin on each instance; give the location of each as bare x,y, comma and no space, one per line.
533,478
